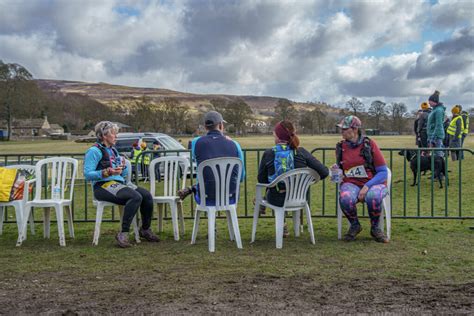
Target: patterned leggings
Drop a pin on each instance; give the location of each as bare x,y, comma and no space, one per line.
348,199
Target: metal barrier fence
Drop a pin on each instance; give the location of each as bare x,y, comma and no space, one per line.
425,200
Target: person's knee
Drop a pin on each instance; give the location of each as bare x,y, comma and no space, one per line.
136,197
346,198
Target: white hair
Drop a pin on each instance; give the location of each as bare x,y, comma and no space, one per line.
104,128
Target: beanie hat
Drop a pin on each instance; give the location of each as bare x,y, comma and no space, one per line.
434,97
282,132
424,106
455,110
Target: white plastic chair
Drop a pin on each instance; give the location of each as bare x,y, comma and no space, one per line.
297,183
19,205
100,205
61,170
386,209
222,171
175,169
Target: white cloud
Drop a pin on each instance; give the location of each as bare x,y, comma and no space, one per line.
302,50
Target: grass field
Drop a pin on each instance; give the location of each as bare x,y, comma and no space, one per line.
426,268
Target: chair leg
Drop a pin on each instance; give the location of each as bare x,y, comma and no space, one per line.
229,224
98,221
136,231
2,214
22,232
279,223
174,220
47,222
296,223
19,212
70,221
32,222
388,216
256,213
211,229
235,224
160,218
339,220
181,217
197,216
310,223
60,220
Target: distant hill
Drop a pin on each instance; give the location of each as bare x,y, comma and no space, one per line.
112,94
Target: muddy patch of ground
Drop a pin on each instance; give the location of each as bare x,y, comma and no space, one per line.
65,293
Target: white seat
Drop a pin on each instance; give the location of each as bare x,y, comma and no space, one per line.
297,183
174,169
19,205
386,209
102,204
61,170
222,172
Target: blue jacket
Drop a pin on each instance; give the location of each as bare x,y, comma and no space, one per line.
91,165
215,145
434,127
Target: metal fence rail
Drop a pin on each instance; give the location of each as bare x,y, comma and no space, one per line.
426,200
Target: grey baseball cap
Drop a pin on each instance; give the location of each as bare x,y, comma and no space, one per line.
213,118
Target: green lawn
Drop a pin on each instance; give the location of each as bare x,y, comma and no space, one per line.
426,268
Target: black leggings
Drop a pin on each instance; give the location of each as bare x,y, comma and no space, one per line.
132,199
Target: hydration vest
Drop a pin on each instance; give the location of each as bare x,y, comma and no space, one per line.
105,161
365,152
284,160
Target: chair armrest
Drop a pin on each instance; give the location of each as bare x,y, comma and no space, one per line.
262,185
26,191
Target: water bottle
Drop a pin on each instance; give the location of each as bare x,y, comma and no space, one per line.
336,174
56,192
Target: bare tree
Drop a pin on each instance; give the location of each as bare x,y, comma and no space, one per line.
11,75
354,105
398,113
377,110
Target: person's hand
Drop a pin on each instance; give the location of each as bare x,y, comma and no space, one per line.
228,137
363,193
115,171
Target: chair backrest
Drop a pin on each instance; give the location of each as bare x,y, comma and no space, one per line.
222,171
29,168
297,183
175,169
61,170
128,178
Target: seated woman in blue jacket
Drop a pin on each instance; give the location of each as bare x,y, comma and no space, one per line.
107,171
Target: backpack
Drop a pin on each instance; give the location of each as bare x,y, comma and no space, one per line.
283,161
365,151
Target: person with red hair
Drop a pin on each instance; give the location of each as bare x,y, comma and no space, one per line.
284,156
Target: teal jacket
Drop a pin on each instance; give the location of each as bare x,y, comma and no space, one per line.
434,127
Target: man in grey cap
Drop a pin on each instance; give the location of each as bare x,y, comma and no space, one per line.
212,145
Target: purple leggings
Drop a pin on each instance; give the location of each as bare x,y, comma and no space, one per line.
348,200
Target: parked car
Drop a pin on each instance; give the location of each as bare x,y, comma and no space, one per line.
125,143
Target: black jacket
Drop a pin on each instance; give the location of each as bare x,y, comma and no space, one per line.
302,159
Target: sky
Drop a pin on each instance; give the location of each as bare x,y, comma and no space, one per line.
330,51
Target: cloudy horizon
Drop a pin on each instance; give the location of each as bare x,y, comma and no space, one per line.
394,51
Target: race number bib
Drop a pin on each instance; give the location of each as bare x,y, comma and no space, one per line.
356,172
113,187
